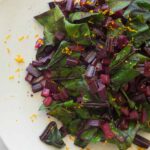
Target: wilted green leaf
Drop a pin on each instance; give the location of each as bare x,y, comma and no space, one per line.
74,126
62,114
54,137
115,32
130,102
98,137
121,56
58,54
83,113
128,135
68,72
139,14
86,16
113,103
48,37
146,126
116,5
52,20
75,87
81,143
142,38
145,4
78,33
86,137
126,72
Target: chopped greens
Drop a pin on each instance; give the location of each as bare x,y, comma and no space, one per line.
93,69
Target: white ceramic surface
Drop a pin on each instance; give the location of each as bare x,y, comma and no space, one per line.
20,121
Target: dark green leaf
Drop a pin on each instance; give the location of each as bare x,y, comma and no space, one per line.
142,38
79,33
66,104
86,97
139,58
126,72
76,55
52,20
75,87
85,16
146,126
127,135
60,111
70,103
54,105
143,4
122,55
141,34
88,134
81,143
48,37
62,114
131,103
54,137
40,51
113,103
138,7
143,16
118,4
58,54
62,62
64,72
115,32
86,137
74,126
59,58
83,113
139,14
131,8
98,137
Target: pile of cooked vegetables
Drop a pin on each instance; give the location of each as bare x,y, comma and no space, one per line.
93,70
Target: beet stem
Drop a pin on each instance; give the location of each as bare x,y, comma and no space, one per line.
141,141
